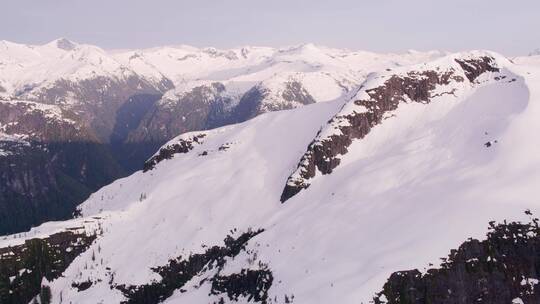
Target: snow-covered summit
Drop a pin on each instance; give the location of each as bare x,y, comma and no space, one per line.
63,44
25,68
535,52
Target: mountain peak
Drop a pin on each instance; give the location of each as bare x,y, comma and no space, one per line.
64,44
535,52
305,47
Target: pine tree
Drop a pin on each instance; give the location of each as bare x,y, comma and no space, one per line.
45,295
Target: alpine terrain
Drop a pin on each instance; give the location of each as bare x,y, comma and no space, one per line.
74,117
261,175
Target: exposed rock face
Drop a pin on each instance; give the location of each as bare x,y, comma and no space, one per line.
23,267
49,165
97,100
252,285
476,67
74,135
167,152
46,181
200,108
131,154
180,271
501,269
65,44
41,123
373,105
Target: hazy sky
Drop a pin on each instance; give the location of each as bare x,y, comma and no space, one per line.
510,27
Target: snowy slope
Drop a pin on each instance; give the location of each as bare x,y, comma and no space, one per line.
415,186
132,101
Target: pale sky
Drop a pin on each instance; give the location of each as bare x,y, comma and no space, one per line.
509,27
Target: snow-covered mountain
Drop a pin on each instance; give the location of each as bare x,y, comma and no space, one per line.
92,115
535,52
321,203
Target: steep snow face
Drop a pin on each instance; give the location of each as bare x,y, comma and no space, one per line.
422,181
383,94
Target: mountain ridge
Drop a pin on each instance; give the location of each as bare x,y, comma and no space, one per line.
440,154
124,105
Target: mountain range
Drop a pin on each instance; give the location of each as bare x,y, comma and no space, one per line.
75,117
292,175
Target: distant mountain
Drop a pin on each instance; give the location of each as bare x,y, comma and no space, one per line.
80,116
346,198
535,52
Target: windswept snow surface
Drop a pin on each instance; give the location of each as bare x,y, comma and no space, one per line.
416,186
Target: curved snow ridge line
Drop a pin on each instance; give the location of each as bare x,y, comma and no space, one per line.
379,96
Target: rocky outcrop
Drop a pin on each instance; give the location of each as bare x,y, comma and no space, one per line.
375,102
23,267
181,270
504,268
167,152
252,285
65,44
476,67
